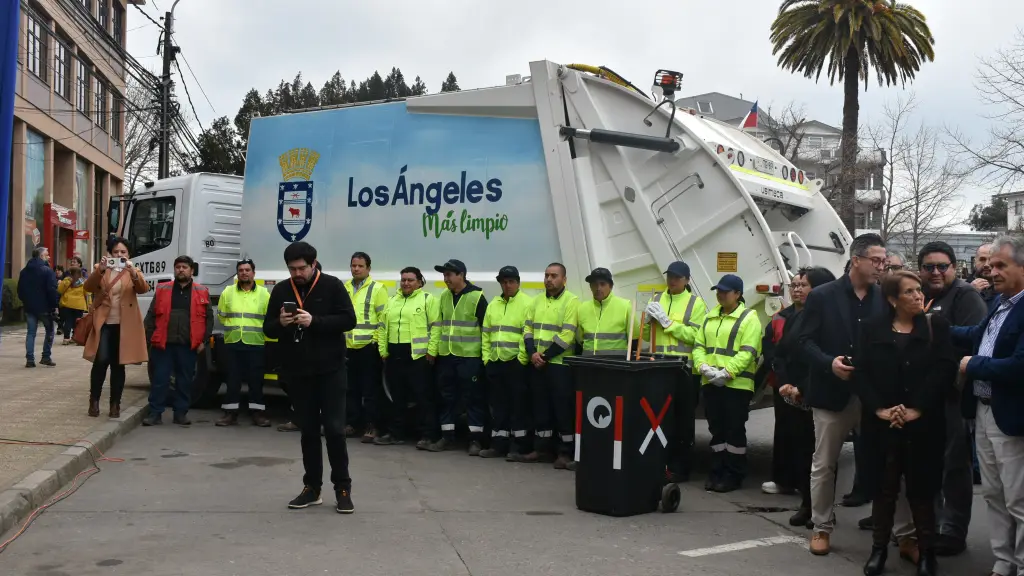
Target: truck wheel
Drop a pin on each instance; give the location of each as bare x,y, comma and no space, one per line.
206,385
670,497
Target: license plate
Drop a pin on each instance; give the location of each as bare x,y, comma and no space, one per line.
766,166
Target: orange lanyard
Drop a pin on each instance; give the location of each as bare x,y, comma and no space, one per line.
298,299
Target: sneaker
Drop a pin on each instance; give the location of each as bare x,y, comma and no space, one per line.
229,419
153,420
439,446
387,440
773,488
370,435
308,497
48,362
30,364
345,505
474,448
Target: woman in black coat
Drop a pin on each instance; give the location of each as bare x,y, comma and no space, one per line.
905,367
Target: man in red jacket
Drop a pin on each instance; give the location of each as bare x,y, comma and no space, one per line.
178,325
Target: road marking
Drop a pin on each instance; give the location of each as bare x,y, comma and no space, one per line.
744,545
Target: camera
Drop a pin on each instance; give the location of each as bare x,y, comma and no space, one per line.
117,263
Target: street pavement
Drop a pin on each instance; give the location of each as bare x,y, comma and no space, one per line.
212,501
48,403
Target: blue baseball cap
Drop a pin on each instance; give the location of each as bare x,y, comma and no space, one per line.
679,268
729,282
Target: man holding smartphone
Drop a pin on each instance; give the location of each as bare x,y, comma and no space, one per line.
309,316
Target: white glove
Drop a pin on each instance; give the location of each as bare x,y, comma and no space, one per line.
654,310
706,371
721,376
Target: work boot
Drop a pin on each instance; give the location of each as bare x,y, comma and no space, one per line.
474,448
491,453
370,435
535,457
867,523
94,408
48,362
387,440
513,456
182,420
344,505
230,418
928,565
308,497
855,500
259,419
422,443
946,545
115,411
439,446
876,562
820,544
571,465
908,549
30,364
726,485
288,427
562,462
153,420
801,517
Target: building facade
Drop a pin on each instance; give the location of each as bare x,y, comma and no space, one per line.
811,146
965,244
67,157
1014,209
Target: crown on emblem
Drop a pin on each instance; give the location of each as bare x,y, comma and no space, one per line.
298,163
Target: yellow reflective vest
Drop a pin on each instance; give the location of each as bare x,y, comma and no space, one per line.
553,320
460,328
731,341
502,335
241,312
411,319
604,326
687,312
369,301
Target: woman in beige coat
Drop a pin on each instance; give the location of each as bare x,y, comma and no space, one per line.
118,337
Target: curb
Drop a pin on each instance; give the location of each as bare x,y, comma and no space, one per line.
20,500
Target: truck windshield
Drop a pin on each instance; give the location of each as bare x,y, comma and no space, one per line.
152,225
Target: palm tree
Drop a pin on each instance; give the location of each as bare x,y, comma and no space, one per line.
855,37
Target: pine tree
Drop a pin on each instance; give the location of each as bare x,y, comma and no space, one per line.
375,86
418,88
252,106
450,84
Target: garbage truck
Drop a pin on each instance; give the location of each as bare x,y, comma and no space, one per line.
571,163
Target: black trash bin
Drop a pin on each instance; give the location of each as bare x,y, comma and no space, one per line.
623,424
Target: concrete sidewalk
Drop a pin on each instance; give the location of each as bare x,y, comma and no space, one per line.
50,403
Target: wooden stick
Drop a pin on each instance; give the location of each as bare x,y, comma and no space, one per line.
629,341
640,341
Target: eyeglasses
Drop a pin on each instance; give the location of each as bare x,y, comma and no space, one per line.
877,262
895,267
931,268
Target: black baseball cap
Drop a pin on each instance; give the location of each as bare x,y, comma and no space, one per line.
451,265
508,272
729,282
600,274
679,268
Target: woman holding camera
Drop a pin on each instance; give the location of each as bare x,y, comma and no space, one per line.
118,337
905,369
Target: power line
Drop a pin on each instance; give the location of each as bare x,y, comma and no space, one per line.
194,78
189,96
148,17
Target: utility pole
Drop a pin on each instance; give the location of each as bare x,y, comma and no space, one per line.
170,50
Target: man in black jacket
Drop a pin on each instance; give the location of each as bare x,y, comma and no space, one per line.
830,328
309,316
37,289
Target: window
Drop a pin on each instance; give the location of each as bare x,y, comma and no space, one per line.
815,142
36,48
101,12
116,104
118,24
99,108
704,107
62,69
82,98
152,225
35,177
1018,207
82,205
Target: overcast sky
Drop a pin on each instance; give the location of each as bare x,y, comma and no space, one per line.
235,45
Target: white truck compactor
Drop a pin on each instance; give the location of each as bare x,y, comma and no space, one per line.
571,164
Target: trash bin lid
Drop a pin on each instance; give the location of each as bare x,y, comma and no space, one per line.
616,363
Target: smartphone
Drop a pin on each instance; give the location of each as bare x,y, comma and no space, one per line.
291,308
847,361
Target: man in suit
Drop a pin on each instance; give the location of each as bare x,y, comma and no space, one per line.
833,315
993,396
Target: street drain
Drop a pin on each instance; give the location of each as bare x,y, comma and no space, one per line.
542,513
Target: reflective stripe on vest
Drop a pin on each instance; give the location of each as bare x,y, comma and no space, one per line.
504,335
745,379
246,326
367,319
415,322
460,330
674,347
605,326
548,321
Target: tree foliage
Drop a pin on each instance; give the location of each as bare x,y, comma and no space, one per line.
222,146
848,40
988,218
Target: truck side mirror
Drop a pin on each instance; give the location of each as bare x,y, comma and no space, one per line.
113,215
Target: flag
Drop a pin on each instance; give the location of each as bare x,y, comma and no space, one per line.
750,120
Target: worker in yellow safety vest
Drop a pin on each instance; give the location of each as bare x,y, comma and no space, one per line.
549,336
675,316
725,352
460,359
407,339
505,364
604,321
365,394
241,309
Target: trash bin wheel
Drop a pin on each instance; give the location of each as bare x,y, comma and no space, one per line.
670,497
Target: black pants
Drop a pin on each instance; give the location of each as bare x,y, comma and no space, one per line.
68,317
462,377
407,377
320,401
509,400
553,390
245,363
365,391
792,447
883,507
726,410
107,356
684,430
